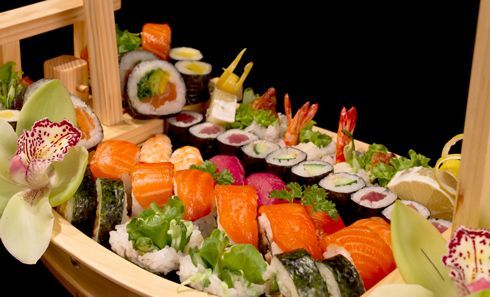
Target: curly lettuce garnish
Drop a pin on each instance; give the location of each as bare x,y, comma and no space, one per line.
10,85
245,115
221,178
306,134
127,41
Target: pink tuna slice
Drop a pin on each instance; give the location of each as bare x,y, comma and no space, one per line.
373,197
210,130
237,138
232,164
185,118
264,183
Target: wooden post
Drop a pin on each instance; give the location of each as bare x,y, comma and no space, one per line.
73,73
104,69
473,200
10,52
79,37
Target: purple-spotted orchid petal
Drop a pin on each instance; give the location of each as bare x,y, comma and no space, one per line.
469,259
38,148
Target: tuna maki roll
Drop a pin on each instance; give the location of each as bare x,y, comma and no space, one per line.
422,210
88,123
310,172
229,142
371,201
203,136
185,54
10,116
196,76
281,161
440,224
255,152
341,276
155,88
177,127
127,63
339,187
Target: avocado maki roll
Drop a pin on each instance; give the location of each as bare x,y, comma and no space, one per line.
310,172
155,88
80,210
111,208
371,201
177,127
229,142
128,61
255,152
280,161
185,54
341,276
204,137
298,276
196,76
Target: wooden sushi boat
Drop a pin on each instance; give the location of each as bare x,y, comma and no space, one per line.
86,268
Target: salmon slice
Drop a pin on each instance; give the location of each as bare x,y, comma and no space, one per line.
156,38
292,228
195,189
378,225
156,149
237,213
114,158
372,257
186,156
84,122
152,183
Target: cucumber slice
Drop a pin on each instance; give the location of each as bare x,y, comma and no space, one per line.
314,168
260,148
340,182
286,157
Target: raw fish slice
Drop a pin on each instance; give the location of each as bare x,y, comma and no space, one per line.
264,183
378,225
195,189
232,164
237,213
156,149
113,159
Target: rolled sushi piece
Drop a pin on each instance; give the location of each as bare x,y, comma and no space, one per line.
265,183
229,142
440,224
371,201
33,87
128,61
421,209
310,172
80,210
237,213
10,116
297,275
204,137
155,88
177,127
111,208
88,123
185,54
255,152
196,76
280,161
233,165
340,186
341,276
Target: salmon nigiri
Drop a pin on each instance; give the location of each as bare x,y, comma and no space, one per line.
195,189
237,213
288,227
156,149
151,182
372,257
185,157
378,225
114,158
156,38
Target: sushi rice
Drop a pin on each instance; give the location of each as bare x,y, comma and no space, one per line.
128,61
92,132
314,152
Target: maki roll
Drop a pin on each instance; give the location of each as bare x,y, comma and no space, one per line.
33,87
310,172
10,116
203,136
255,152
372,200
88,123
339,187
111,208
297,275
127,63
341,276
229,142
155,88
185,54
196,77
177,127
422,210
281,161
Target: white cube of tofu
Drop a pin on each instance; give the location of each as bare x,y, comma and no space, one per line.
222,108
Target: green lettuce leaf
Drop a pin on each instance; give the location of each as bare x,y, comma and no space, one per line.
306,134
50,101
244,258
249,96
127,41
415,160
245,115
221,178
213,247
10,85
26,225
8,146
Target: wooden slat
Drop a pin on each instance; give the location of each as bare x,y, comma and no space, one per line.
104,65
10,52
40,17
79,37
473,200
133,130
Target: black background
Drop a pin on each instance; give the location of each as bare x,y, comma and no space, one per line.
405,66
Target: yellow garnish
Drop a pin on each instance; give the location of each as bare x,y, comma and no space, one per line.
446,170
229,81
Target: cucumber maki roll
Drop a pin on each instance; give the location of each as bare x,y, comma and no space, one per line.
255,152
111,208
196,76
298,276
281,161
342,278
310,172
80,210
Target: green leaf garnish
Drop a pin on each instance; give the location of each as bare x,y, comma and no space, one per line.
221,178
292,191
306,134
245,115
127,41
10,85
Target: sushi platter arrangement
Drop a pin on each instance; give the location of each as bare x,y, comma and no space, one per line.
224,191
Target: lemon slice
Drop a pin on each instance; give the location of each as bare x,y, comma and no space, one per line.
446,172
450,143
419,184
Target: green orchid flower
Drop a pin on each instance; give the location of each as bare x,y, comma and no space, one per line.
41,167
